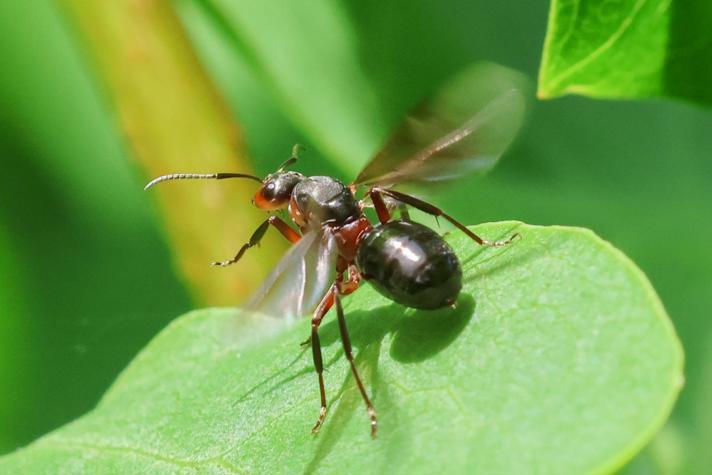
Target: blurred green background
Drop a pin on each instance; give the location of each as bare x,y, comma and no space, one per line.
86,271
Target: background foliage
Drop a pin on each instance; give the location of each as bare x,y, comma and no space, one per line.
629,48
86,274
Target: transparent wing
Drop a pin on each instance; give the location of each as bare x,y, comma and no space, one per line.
463,129
299,281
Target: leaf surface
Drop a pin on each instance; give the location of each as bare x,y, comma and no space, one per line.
628,48
559,358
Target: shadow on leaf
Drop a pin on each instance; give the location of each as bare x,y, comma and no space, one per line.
417,336
426,333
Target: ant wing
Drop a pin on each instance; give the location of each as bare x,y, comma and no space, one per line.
463,129
300,280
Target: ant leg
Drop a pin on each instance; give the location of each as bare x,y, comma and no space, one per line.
437,212
345,288
349,355
319,314
380,206
285,230
290,234
354,277
352,284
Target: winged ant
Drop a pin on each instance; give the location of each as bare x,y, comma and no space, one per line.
463,129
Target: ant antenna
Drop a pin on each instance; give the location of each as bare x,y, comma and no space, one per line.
291,160
199,176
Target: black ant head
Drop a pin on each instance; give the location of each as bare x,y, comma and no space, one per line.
276,190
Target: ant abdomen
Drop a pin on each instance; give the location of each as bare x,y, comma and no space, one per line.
410,264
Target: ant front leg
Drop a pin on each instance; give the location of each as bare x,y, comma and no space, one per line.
437,212
290,234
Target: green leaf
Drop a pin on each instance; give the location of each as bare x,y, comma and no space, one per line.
628,49
559,358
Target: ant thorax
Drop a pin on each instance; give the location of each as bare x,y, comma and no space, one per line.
320,200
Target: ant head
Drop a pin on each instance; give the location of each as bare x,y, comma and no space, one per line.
276,190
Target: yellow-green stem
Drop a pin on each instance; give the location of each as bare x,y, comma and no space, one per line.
175,121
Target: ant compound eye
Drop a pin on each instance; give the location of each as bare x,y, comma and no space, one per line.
269,190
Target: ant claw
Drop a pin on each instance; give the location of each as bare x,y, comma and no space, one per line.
513,237
320,421
374,422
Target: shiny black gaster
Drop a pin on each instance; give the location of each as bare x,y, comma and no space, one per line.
410,264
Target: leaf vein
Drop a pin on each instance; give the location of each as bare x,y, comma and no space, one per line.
74,444
605,46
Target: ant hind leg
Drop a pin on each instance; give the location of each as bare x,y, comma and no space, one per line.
437,212
346,341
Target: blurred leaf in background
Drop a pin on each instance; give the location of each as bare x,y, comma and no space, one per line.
305,66
86,276
17,360
293,46
630,48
